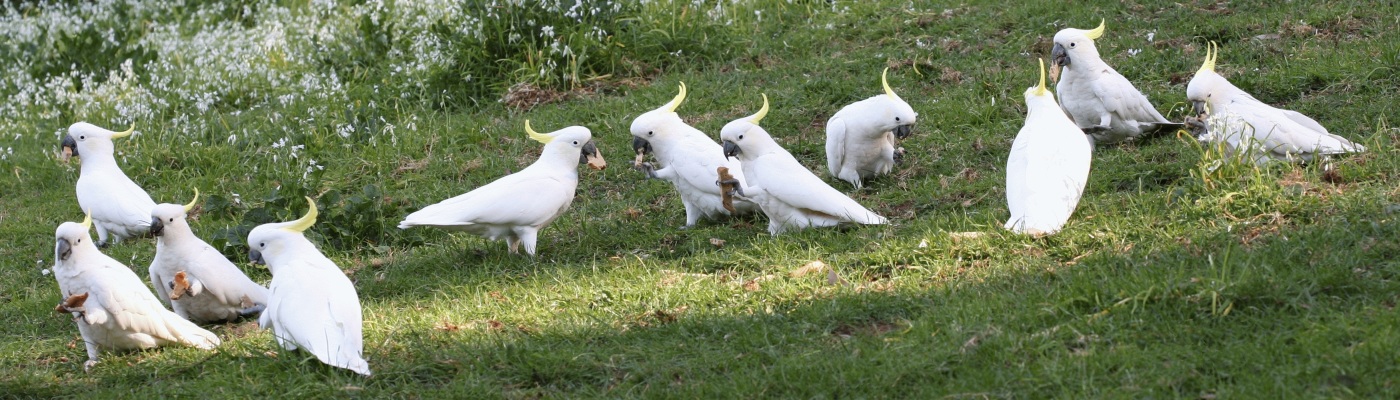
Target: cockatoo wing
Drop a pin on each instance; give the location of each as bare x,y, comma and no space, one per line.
1125,101
788,181
321,313
835,145
222,279
1280,133
518,200
114,198
1017,165
132,308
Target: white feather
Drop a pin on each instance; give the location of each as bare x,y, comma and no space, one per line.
218,286
1253,130
1047,168
688,159
517,206
1099,99
311,305
120,209
120,312
860,140
788,193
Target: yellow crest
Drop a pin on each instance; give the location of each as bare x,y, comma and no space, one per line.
762,112
301,225
1212,52
1094,34
190,206
87,220
1040,90
539,137
676,103
125,133
886,82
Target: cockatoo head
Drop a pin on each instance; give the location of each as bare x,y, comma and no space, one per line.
744,138
87,139
1207,89
894,114
1039,95
272,243
1075,44
574,142
72,237
657,124
171,217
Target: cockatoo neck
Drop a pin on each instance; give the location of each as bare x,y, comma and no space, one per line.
288,247
96,157
1085,58
1038,106
175,233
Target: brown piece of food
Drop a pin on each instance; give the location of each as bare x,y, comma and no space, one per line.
73,301
181,286
1055,73
726,188
596,161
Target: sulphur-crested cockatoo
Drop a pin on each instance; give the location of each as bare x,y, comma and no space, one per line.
312,305
200,284
115,310
788,193
1048,166
687,158
517,206
1099,99
860,139
120,209
1254,130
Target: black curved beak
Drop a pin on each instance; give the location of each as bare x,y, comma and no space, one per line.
1199,108
69,146
640,146
903,131
256,257
1059,56
65,250
731,149
589,150
156,226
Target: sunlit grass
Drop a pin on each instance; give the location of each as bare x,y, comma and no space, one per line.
1180,275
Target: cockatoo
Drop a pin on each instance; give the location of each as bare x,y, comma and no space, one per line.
111,305
688,160
1256,130
119,207
1048,166
1100,100
517,206
200,284
312,304
860,139
790,194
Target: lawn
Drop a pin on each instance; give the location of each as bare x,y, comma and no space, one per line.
1177,277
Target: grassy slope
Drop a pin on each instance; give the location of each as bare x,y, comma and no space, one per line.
1270,283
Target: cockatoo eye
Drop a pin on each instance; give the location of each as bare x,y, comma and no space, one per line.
82,137
575,143
896,119
1071,44
172,219
650,133
741,137
262,245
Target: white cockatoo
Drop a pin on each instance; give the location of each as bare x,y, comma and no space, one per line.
1099,99
860,139
312,305
120,209
1254,130
687,158
111,305
1048,166
790,194
517,206
200,284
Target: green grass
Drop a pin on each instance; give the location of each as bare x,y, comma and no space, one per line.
1170,280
